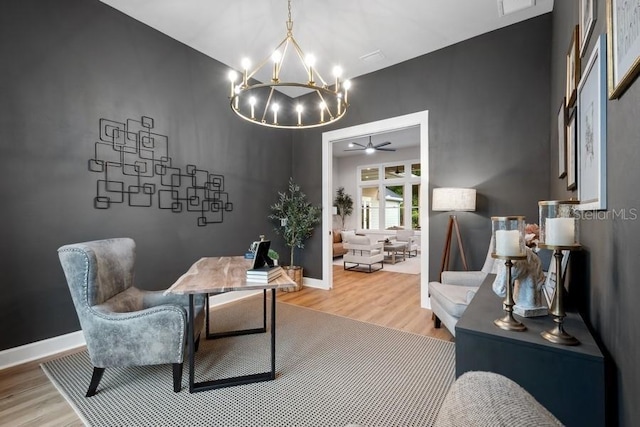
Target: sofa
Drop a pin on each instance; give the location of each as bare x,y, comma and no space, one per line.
339,238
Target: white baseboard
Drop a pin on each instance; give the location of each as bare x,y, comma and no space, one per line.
314,283
39,349
228,297
425,301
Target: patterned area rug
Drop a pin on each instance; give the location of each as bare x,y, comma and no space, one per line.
331,371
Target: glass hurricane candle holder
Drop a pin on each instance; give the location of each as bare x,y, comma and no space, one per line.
509,236
559,223
559,231
509,244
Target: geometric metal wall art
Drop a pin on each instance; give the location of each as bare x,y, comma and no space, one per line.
135,168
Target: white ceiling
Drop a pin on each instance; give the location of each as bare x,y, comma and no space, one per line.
336,32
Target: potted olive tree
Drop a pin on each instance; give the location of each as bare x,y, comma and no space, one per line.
296,219
344,203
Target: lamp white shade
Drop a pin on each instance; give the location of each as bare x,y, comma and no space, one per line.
453,199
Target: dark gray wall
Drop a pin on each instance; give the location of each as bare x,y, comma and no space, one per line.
64,66
488,102
607,292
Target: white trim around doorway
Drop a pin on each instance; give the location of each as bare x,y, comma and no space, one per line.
421,119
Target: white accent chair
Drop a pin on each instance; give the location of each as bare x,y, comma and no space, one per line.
361,252
408,236
451,296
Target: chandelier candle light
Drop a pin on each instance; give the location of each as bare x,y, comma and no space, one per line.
247,97
558,232
509,237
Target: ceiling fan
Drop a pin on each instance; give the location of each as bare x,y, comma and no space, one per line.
370,148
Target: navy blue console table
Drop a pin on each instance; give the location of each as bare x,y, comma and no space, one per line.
568,380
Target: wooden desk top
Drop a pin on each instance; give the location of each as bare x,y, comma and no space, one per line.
223,274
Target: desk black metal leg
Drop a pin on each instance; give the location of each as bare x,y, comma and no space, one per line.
236,333
243,379
190,331
264,309
273,331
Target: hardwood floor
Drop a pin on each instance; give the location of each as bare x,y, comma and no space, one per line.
384,298
27,397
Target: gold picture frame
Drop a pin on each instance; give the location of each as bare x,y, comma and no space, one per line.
571,150
623,62
587,22
562,140
573,68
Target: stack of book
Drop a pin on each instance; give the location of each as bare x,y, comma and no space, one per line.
263,274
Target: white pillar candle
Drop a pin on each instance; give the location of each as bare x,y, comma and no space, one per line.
508,243
560,231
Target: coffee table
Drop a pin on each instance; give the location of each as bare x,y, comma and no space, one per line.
393,250
218,275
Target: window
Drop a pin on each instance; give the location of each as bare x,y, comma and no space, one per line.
369,174
415,206
370,208
392,172
389,196
394,206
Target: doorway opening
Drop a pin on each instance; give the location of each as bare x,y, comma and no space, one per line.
399,123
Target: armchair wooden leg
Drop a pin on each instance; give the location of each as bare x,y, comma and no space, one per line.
95,380
436,322
177,377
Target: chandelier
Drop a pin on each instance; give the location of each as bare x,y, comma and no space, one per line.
258,103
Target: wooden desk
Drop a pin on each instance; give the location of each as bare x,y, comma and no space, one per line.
225,274
567,380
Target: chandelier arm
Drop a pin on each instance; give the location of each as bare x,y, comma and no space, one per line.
265,60
326,106
284,53
266,106
300,53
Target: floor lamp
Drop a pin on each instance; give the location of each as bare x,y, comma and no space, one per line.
453,200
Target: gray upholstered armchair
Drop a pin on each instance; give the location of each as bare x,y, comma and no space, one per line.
124,325
451,296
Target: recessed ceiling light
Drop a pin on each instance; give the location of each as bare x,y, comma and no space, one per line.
506,7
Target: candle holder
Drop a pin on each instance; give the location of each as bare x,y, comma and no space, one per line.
559,231
557,334
509,244
559,223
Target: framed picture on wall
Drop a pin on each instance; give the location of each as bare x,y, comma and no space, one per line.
587,22
623,50
571,150
562,143
573,68
592,130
